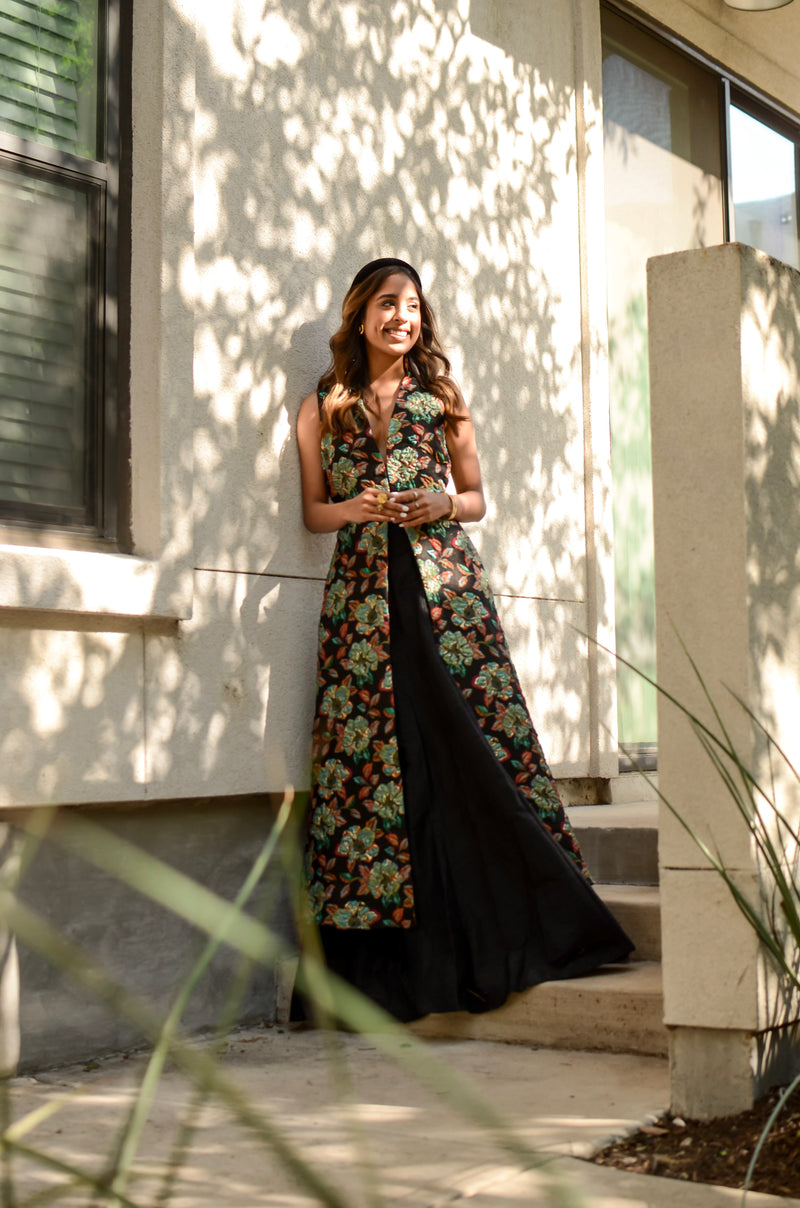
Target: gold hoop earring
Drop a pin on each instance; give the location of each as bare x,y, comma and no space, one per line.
361,330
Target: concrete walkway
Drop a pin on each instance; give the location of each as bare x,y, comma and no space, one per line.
422,1152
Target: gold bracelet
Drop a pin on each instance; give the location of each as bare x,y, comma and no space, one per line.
451,515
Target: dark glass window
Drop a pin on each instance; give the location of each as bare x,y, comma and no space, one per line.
59,168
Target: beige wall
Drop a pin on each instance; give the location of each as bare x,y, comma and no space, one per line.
276,148
761,48
327,136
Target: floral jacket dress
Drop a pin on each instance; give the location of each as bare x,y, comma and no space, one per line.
357,858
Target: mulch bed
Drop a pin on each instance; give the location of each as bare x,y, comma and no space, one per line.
717,1151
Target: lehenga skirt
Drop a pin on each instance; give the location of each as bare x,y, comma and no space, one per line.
500,906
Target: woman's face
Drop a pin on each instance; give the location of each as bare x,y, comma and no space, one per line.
392,318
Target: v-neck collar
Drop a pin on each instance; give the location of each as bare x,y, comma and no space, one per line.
401,393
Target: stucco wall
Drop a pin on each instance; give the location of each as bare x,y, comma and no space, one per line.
328,135
147,949
276,148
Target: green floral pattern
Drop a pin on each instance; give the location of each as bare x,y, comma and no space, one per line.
357,857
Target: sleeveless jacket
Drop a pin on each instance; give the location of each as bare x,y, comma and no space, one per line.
357,858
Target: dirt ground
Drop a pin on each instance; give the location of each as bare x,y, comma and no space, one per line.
718,1151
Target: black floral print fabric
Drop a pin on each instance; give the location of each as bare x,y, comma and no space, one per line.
357,860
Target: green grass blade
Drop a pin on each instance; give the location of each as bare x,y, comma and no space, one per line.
779,1106
187,1127
161,883
753,917
773,743
751,914
77,1175
662,691
132,1132
349,1007
42,938
20,1127
202,908
783,885
743,769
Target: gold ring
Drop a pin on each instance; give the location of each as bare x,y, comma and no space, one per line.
382,498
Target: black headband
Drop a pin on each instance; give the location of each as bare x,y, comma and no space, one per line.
386,262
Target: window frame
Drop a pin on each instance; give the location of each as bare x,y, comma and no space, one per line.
756,107
733,90
104,522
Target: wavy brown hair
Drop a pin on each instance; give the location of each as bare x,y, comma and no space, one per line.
348,375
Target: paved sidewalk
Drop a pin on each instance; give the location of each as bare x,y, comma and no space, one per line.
423,1153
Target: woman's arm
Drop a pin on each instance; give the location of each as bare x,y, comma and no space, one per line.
319,514
466,469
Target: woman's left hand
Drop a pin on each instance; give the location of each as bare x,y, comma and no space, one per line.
423,506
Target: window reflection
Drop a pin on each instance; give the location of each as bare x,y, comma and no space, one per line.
764,187
663,178
45,332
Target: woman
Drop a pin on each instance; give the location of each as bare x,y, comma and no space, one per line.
441,869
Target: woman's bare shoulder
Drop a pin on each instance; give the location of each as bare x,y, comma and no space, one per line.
309,409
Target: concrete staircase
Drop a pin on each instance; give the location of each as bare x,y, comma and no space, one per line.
619,1009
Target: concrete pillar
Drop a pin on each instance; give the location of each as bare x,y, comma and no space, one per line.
724,355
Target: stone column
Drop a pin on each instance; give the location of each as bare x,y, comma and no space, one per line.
724,356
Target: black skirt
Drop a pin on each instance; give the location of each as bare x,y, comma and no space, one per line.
499,905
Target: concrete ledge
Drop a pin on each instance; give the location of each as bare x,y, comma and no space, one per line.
632,787
619,1010
602,1186
627,815
145,947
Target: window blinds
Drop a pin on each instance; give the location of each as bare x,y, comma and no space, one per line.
49,286
44,341
47,59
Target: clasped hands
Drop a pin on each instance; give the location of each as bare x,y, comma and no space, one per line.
409,509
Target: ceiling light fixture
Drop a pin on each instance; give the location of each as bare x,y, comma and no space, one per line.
757,6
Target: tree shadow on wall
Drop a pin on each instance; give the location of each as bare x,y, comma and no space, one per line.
772,493
327,135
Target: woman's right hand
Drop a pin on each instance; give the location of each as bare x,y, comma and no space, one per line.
375,503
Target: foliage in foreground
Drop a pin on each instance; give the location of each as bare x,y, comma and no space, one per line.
775,836
775,920
223,922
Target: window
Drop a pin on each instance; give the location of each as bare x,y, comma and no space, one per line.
59,247
763,190
692,158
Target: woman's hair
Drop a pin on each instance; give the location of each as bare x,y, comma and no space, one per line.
348,374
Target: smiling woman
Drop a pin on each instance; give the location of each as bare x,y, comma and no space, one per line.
441,869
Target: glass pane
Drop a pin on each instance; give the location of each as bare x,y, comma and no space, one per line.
663,194
49,72
45,342
764,187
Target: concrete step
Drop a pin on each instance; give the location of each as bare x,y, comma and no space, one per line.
619,842
619,1009
631,787
637,908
